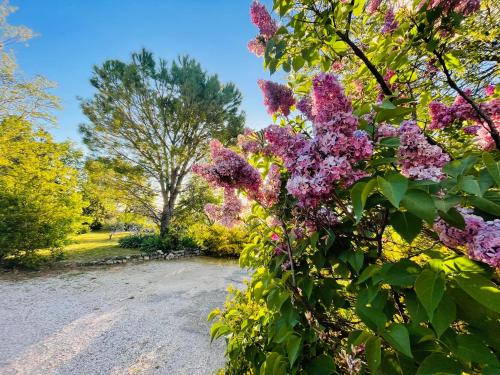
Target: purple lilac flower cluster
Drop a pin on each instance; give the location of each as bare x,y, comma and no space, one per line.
390,23
317,164
277,97
419,160
270,191
443,116
464,7
305,106
228,170
228,213
373,6
248,142
482,239
267,28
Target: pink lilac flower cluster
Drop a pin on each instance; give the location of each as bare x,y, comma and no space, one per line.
267,28
462,110
482,239
337,66
419,159
464,7
390,23
317,164
257,46
384,131
305,106
484,138
373,6
270,191
443,116
471,130
228,213
228,170
454,237
489,90
485,246
277,97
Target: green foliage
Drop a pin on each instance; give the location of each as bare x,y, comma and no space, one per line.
40,205
217,240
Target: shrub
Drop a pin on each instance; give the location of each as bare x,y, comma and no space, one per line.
151,243
375,219
217,240
40,204
133,241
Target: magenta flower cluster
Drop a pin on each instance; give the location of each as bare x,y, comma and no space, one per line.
305,106
267,28
228,213
271,187
484,138
443,116
228,170
317,164
419,160
489,90
277,97
390,23
373,6
485,246
482,239
464,7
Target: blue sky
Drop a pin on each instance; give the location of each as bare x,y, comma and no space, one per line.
77,34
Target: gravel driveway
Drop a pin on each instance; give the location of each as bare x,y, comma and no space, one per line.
145,318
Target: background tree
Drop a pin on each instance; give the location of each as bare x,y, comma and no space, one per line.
114,188
159,118
20,97
40,201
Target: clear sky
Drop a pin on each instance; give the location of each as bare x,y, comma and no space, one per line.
74,35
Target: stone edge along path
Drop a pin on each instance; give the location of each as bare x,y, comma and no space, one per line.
158,255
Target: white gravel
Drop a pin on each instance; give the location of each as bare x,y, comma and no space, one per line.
145,318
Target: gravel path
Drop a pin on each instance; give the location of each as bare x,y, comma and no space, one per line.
146,318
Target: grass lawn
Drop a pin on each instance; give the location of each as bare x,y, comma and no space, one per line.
93,246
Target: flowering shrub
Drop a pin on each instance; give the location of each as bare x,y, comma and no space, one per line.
374,224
